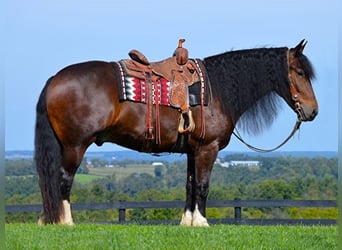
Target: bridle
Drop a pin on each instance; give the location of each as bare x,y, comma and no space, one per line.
295,95
297,108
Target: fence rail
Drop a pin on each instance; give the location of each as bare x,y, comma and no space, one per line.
237,204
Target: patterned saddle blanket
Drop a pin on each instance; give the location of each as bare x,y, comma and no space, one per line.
133,87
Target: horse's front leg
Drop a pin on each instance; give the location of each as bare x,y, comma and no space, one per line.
204,161
190,189
199,170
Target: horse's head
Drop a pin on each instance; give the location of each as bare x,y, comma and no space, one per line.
301,73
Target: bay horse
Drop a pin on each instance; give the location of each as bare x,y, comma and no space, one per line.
79,106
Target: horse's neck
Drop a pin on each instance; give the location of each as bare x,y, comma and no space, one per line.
245,85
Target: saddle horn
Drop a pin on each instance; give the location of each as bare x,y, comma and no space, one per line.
181,53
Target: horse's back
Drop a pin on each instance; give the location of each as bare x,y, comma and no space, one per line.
86,69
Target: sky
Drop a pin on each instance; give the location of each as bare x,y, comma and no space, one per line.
42,37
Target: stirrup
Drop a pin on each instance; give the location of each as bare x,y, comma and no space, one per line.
182,123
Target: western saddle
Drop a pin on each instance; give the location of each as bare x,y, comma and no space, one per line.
180,71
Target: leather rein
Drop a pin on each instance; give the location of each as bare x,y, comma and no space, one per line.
294,130
298,110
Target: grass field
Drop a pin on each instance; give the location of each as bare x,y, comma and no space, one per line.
86,178
122,172
119,172
88,236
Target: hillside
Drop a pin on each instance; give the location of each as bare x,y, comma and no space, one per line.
168,157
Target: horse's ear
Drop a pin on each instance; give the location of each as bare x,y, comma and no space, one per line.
300,47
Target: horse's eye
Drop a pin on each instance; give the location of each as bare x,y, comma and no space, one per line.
300,73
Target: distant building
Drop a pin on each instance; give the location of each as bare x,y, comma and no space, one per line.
222,164
89,164
155,164
237,163
244,163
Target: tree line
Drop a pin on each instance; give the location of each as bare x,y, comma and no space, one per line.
281,177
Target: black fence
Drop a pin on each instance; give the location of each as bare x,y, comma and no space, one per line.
237,204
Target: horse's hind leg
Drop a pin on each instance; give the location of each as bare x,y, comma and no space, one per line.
67,179
72,158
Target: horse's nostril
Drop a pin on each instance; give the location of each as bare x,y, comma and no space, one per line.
308,113
314,113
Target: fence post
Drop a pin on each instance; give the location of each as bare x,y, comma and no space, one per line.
122,213
237,212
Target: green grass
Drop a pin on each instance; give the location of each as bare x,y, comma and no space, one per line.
119,172
88,236
86,178
123,172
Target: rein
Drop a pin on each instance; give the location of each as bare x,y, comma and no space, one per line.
294,130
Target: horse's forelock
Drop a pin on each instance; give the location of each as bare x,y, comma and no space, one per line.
307,67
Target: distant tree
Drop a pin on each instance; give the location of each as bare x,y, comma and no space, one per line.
19,167
219,193
21,185
137,214
159,170
136,183
99,163
275,189
83,169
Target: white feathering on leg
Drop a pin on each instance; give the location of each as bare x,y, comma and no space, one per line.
198,220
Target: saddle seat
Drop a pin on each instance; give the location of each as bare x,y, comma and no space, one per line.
178,69
165,68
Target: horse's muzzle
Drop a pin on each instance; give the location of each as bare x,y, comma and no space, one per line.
305,113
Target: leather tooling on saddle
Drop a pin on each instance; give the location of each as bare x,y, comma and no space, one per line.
177,82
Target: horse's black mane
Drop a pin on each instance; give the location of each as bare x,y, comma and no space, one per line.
248,83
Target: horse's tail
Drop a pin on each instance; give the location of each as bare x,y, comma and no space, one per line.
48,158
